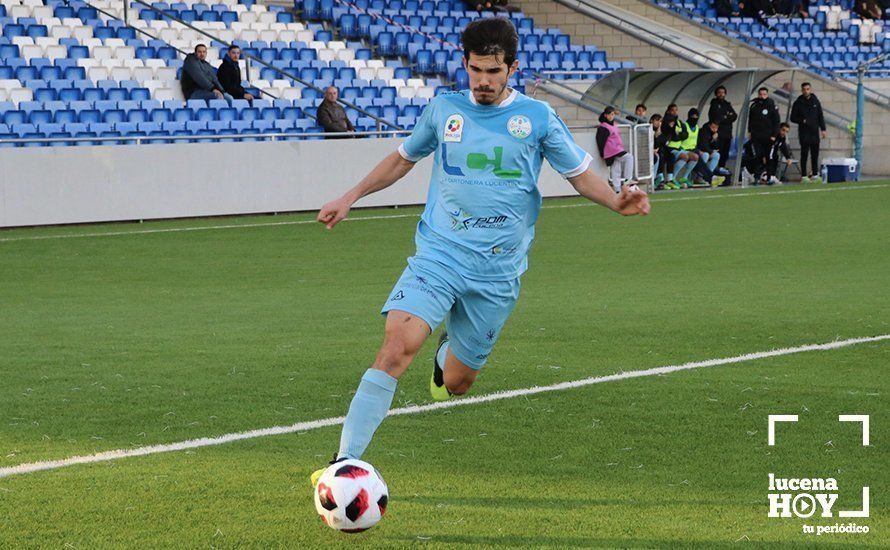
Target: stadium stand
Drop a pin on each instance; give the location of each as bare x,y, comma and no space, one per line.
76,70
832,40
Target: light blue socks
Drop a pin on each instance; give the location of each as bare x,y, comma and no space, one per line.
678,167
367,410
442,354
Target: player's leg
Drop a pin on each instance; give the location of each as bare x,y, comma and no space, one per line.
473,326
417,305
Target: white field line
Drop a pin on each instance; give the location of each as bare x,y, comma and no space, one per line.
695,196
415,409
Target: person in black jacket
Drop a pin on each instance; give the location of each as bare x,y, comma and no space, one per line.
779,147
763,122
659,151
807,114
229,75
725,8
724,115
198,79
710,157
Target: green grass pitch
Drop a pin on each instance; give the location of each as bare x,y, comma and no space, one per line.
135,339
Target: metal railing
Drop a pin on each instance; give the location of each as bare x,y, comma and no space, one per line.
205,138
608,17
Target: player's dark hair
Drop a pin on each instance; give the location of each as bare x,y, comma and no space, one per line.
785,125
640,106
491,36
762,89
719,88
233,47
654,118
805,84
200,46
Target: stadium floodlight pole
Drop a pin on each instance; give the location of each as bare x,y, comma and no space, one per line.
860,107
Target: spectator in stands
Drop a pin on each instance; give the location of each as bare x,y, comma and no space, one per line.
869,9
707,149
758,9
639,115
787,7
724,115
611,147
726,8
763,122
229,74
807,114
198,79
331,115
780,147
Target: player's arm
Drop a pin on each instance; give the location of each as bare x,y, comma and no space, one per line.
630,202
387,172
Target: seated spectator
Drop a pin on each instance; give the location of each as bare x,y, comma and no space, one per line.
611,147
779,147
726,8
229,74
198,79
758,9
753,163
331,116
869,9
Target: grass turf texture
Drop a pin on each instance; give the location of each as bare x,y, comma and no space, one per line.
119,341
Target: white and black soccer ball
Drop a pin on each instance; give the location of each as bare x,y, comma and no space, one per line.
351,496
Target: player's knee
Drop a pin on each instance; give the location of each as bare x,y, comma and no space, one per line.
395,356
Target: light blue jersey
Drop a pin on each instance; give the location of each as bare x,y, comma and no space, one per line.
483,197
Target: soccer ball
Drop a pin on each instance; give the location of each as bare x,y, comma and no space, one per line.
351,496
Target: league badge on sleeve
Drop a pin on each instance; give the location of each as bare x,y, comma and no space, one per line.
519,126
454,129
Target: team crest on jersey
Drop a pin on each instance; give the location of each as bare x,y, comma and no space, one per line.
519,126
454,128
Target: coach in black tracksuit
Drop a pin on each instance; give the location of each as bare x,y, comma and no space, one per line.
807,114
763,123
724,115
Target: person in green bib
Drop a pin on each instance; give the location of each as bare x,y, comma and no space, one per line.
682,148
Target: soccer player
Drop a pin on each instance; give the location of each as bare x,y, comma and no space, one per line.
475,232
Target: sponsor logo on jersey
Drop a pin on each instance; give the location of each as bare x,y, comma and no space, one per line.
461,220
454,128
519,126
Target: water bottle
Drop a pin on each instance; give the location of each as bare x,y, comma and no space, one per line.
824,173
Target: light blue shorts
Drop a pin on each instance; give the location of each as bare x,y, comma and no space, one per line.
474,311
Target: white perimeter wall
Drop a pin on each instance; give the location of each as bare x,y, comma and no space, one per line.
56,185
